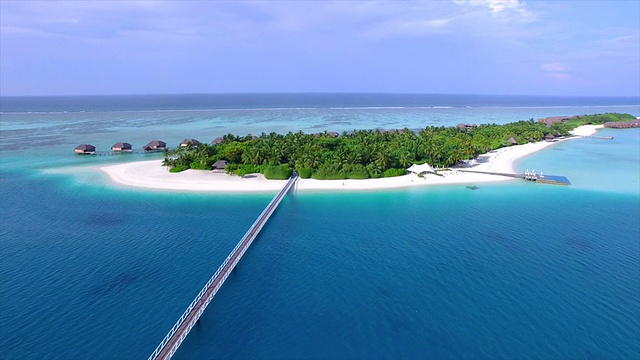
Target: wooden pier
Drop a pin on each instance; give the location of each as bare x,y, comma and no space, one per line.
530,176
116,153
191,315
520,176
596,137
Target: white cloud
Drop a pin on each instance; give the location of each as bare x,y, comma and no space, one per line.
556,70
512,10
400,27
561,76
496,6
501,5
554,67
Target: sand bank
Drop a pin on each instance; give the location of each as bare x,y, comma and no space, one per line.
586,130
151,175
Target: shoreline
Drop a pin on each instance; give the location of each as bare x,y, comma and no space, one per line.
151,175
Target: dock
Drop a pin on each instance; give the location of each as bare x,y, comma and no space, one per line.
191,315
546,179
596,137
114,153
553,180
529,176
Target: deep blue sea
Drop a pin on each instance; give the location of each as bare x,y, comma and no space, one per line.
510,270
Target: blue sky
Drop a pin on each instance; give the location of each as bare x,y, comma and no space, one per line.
446,46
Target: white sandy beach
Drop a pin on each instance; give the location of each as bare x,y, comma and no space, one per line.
151,175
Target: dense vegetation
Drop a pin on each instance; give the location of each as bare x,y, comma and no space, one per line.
365,153
598,119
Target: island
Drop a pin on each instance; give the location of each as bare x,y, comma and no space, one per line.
362,159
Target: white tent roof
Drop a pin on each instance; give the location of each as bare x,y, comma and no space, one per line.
418,169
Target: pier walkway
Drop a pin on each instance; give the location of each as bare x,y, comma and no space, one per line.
519,176
596,137
543,179
116,153
191,315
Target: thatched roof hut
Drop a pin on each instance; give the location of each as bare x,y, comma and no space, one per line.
217,140
512,141
549,137
466,126
85,149
121,146
186,142
327,133
155,145
219,165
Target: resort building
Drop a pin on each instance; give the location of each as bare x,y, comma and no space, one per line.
85,149
512,141
550,137
217,140
155,145
623,124
122,147
327,133
463,126
219,165
555,119
186,142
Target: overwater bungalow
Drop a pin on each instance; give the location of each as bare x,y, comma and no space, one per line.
155,145
85,149
623,124
219,165
186,142
122,147
217,140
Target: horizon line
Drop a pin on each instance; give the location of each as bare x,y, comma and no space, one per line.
316,93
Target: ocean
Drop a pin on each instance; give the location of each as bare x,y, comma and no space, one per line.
515,270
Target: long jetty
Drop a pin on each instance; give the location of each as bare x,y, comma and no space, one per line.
191,315
519,176
596,137
531,176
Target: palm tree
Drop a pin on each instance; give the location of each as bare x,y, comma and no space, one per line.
202,154
374,169
382,159
405,158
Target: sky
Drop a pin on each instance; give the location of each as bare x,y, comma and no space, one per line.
499,47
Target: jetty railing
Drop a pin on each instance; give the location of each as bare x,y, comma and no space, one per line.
596,137
527,175
202,300
520,176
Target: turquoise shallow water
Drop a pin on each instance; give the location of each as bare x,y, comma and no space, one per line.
511,270
595,164
47,129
